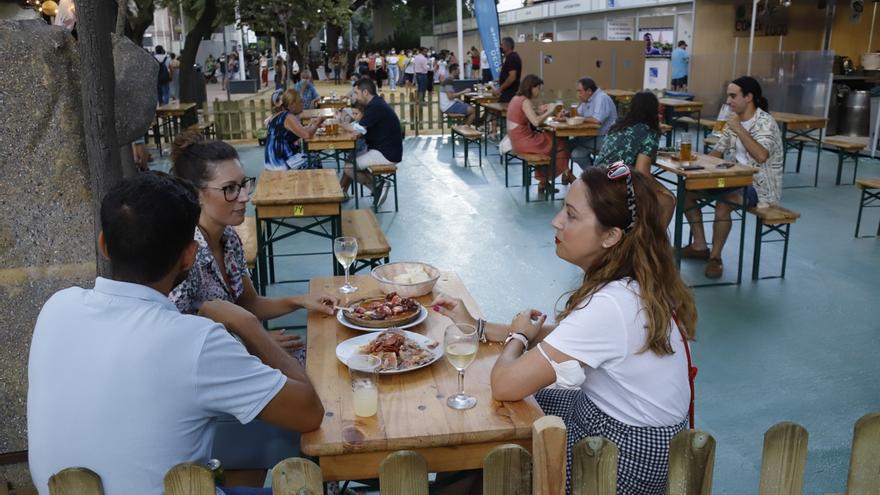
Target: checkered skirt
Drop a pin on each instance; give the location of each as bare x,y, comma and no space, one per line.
643,467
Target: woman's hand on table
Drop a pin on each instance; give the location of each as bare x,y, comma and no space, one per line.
453,308
321,303
289,343
528,322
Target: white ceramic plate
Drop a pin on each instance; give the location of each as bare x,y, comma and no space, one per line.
423,315
349,347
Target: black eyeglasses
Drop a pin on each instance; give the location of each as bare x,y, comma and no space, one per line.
232,191
616,171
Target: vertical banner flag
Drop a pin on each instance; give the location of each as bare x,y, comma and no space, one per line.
487,22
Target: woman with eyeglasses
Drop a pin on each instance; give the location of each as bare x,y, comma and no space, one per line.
220,270
616,362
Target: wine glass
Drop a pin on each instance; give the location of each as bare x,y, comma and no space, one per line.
460,346
346,249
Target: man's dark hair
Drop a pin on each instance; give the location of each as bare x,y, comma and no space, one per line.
509,42
160,50
587,83
148,220
682,43
453,67
366,84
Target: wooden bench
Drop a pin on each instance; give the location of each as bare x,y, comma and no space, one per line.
468,135
452,119
773,218
870,198
530,162
846,150
386,175
373,247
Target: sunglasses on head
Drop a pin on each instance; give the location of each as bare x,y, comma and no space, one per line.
618,170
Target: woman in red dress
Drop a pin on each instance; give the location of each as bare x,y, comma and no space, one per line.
523,119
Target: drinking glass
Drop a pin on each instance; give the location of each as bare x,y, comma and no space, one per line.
460,346
345,249
685,147
364,372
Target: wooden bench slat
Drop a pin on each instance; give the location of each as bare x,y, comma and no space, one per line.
533,159
686,120
868,183
775,214
363,225
388,168
467,131
247,232
842,144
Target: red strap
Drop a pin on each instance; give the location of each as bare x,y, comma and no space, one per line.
692,370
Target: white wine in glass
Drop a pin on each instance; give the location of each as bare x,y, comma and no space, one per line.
345,249
460,346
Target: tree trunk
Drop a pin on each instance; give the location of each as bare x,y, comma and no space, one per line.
202,28
333,33
95,22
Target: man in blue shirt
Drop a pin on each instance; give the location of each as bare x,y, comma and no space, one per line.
680,62
123,383
596,107
383,139
307,90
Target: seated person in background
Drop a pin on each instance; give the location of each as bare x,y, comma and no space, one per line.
284,131
224,192
357,114
615,363
634,140
307,89
750,138
384,142
596,107
449,102
122,382
523,118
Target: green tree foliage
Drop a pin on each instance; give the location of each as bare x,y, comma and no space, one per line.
295,22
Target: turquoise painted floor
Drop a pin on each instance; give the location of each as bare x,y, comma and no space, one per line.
803,349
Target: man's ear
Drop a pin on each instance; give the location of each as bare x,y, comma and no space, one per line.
102,245
188,258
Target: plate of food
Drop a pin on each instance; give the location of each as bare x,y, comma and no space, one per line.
399,350
374,314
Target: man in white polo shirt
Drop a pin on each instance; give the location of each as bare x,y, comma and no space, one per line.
122,383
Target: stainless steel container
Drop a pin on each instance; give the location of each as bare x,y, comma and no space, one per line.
855,114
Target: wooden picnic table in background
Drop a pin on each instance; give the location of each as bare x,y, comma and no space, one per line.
291,194
412,414
328,102
327,113
710,177
565,130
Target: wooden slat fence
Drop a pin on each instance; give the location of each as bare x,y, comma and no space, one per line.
512,470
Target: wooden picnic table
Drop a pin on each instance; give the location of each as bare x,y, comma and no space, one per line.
676,108
412,414
312,113
498,111
172,118
335,103
565,130
796,129
710,177
334,146
293,194
620,95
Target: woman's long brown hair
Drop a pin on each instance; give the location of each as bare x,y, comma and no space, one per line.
643,254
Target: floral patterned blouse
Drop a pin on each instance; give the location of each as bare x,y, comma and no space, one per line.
205,281
626,145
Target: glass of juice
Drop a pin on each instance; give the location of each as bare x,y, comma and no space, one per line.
364,372
573,111
460,346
